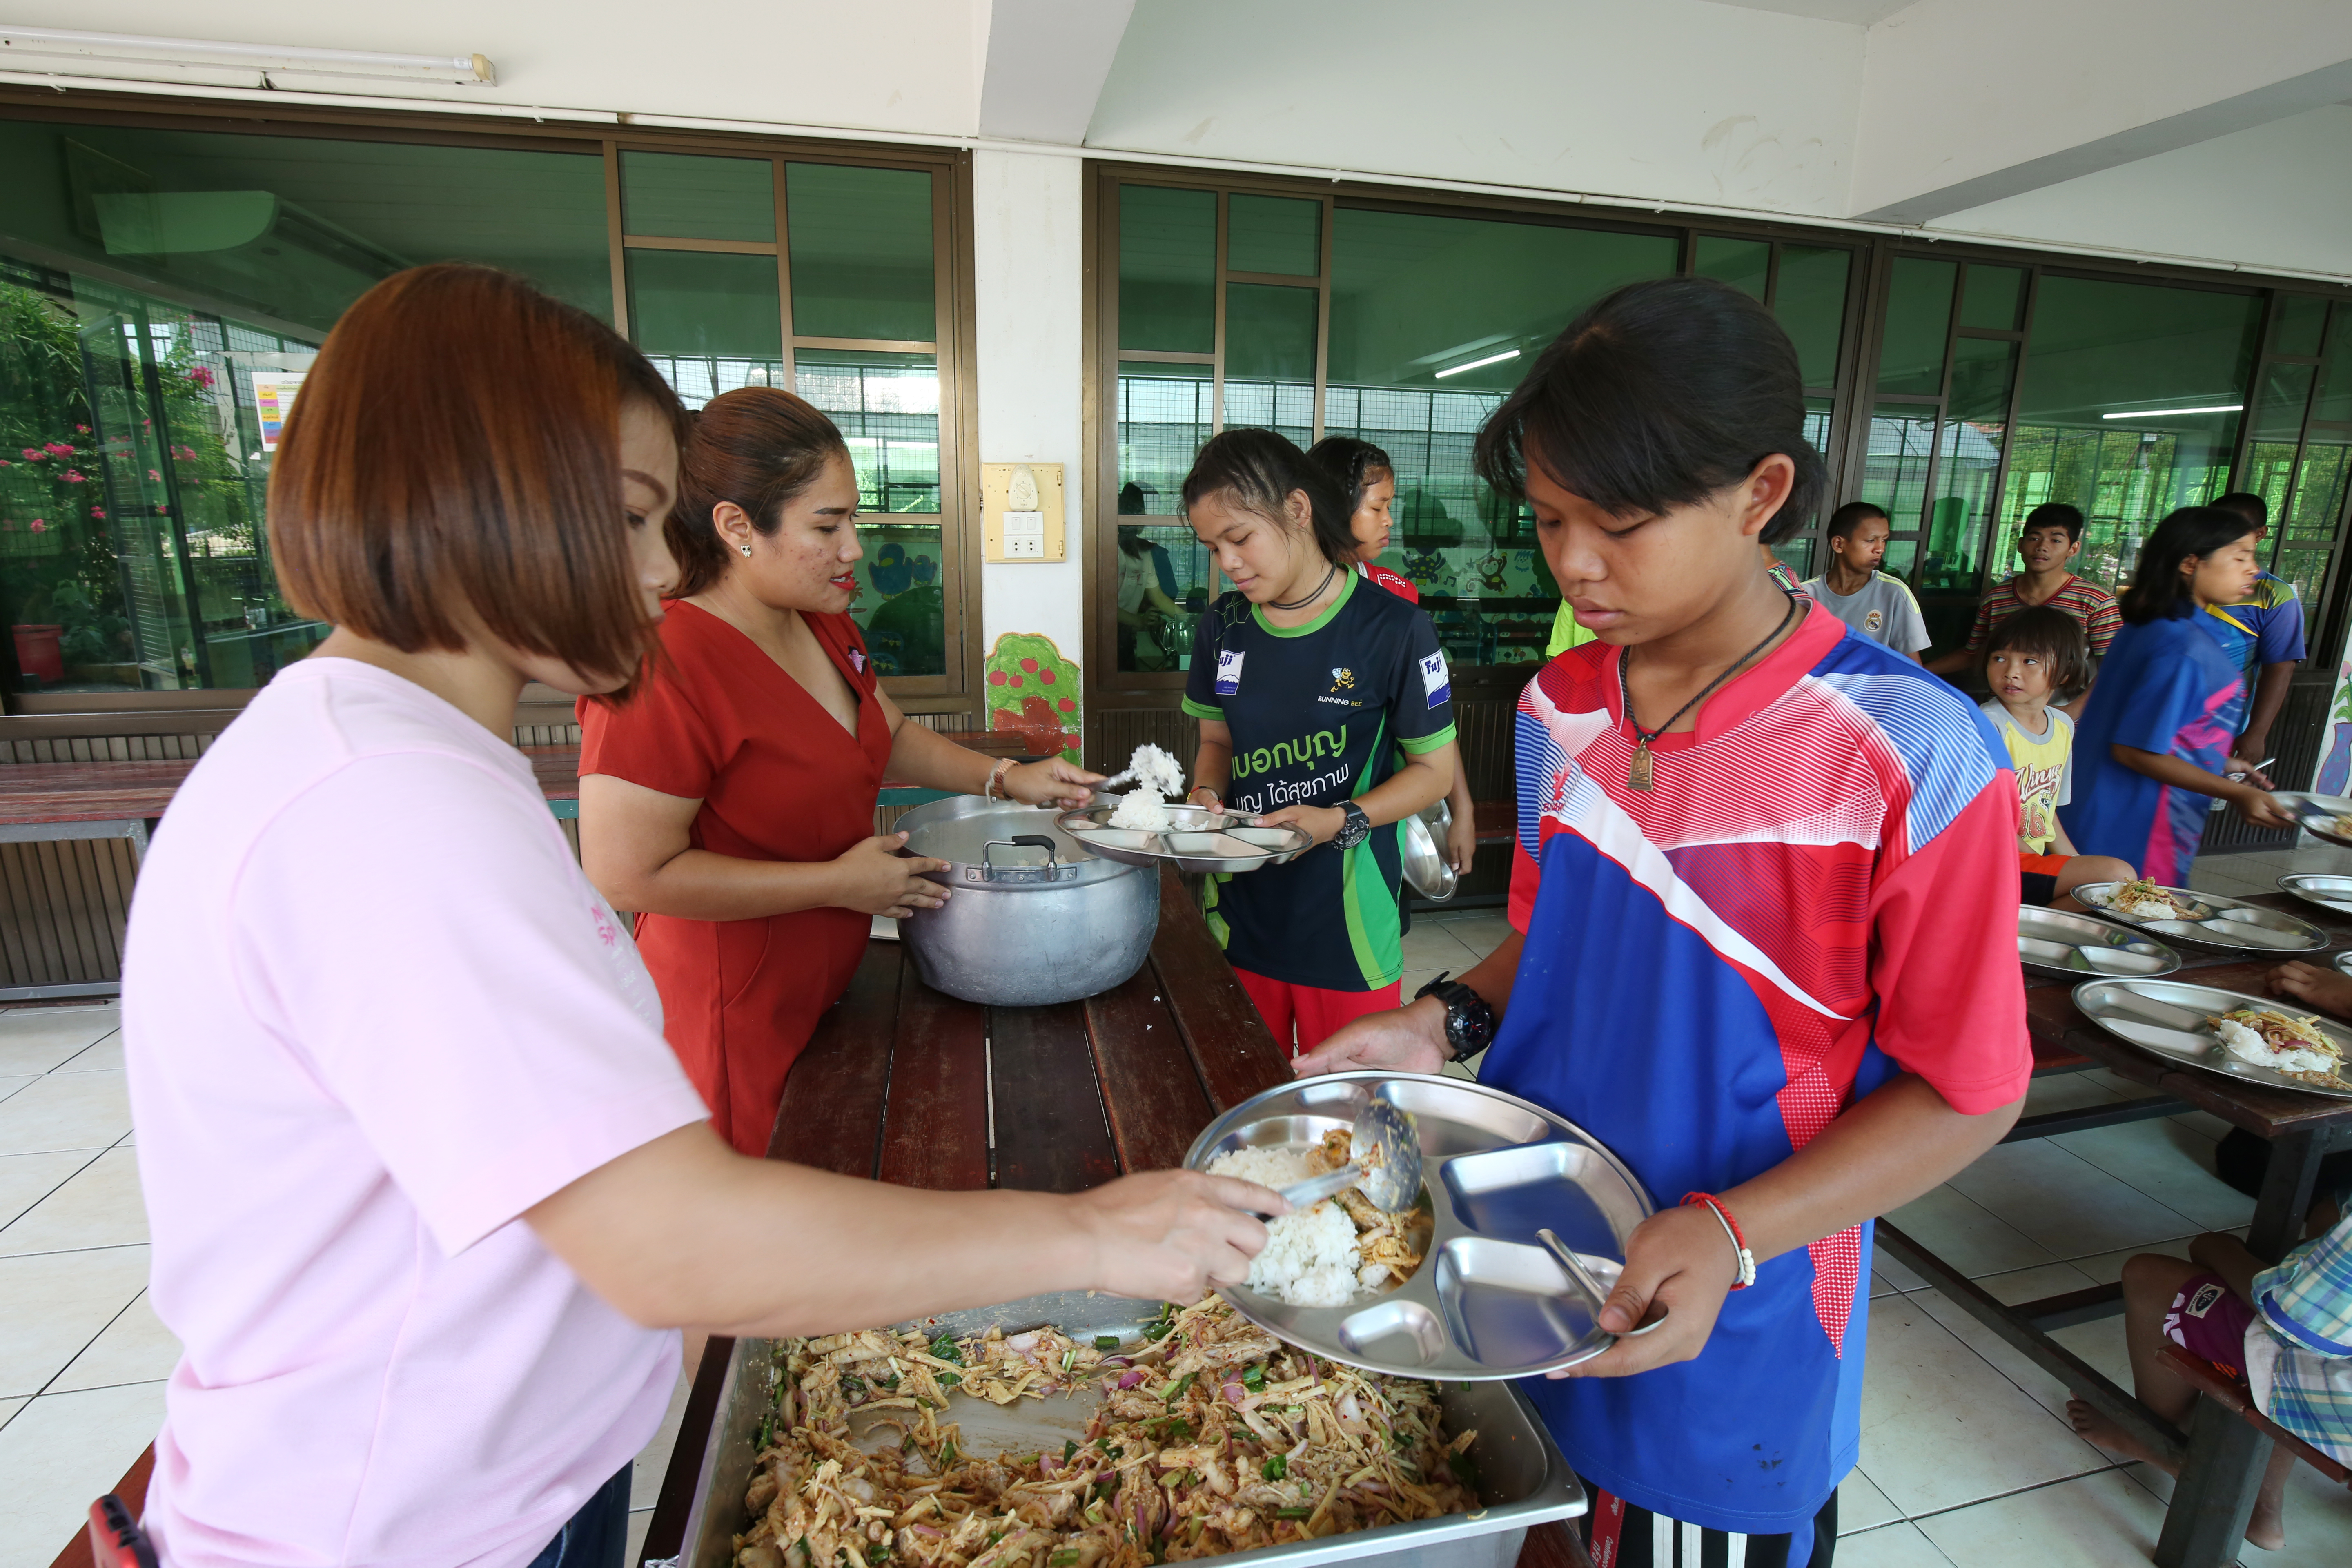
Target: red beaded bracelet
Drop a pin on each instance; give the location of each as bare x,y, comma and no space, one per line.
1731,1229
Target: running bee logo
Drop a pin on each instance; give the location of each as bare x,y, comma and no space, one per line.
1343,680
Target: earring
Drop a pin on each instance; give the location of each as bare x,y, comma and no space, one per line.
744,548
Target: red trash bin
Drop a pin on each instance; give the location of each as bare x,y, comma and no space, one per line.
39,652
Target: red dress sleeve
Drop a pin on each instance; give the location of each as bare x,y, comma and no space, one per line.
660,737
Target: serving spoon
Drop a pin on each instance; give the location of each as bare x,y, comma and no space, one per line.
1386,1145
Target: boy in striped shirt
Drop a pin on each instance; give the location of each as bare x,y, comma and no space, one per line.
2047,545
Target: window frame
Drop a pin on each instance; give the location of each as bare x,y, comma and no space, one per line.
958,690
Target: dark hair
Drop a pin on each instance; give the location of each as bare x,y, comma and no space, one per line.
2054,514
2246,504
1351,465
1853,515
1659,396
758,446
458,447
2157,589
2052,635
1130,498
1260,468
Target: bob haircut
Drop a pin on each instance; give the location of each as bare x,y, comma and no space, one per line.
1260,468
758,446
1351,465
2055,639
455,453
1659,396
2158,591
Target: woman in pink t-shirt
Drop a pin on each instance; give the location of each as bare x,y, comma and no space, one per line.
428,1192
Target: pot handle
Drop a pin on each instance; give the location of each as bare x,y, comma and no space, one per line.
1024,840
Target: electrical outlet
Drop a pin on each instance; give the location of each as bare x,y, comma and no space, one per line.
1024,547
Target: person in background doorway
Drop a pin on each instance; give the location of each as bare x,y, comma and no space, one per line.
1367,479
2037,659
2153,739
1323,703
1876,603
2266,629
2046,546
1146,596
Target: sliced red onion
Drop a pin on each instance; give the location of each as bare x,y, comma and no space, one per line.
1235,1393
1130,1379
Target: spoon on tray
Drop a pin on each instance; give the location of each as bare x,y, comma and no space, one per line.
1386,1144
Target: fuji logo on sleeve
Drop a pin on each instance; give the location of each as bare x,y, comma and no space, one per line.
1434,678
1229,672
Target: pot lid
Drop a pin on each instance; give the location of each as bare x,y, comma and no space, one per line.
973,833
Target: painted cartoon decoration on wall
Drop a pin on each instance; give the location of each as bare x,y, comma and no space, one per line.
906,633
2335,767
1032,689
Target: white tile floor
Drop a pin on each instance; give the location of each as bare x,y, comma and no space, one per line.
1966,1456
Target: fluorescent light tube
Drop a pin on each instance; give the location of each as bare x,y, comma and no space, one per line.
1474,364
60,51
2169,412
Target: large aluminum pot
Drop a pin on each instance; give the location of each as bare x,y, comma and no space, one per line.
1036,917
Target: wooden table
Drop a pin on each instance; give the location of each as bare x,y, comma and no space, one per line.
2220,1456
902,1084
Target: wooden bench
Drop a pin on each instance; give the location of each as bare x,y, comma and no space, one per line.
2232,1395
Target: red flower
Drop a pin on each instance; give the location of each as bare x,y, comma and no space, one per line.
34,454
81,429
200,375
74,477
40,525
154,475
98,511
56,448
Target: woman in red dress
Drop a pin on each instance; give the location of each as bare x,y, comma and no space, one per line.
729,797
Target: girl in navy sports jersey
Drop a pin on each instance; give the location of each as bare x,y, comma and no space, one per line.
1763,920
1323,703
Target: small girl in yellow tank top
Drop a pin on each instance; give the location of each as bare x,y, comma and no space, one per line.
2033,660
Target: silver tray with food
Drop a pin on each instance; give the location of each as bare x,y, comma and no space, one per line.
2333,894
1079,1430
2260,1040
1195,839
2208,920
1465,1284
2054,942
2327,816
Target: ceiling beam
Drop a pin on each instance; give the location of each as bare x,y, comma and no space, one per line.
1046,64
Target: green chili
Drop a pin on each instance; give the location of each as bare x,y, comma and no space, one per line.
947,1380
1176,1390
944,1348
1106,1343
1293,1512
1253,1379
1065,1558
1464,1470
1275,1467
1069,1450
947,1454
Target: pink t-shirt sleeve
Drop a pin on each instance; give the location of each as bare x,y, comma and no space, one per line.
457,987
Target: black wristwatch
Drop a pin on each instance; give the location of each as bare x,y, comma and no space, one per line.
1469,1022
1356,829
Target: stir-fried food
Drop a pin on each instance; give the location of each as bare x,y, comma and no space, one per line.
2146,900
1213,1437
2283,1042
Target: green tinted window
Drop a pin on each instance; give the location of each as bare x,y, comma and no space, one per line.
1810,305
1745,263
887,407
706,305
861,252
2295,322
1895,470
678,196
2335,404
1165,417
1994,296
1918,318
1274,234
2110,368
1269,333
1968,461
1167,269
2283,394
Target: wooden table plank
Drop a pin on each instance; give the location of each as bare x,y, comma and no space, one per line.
1151,1095
1231,1049
935,1131
831,1116
1051,1132
88,792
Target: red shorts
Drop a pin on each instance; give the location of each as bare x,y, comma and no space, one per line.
1303,1016
2208,1318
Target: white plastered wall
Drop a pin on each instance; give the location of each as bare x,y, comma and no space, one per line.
1028,276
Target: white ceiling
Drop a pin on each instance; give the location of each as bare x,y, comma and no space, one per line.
1858,13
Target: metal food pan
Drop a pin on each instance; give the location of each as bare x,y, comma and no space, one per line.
2215,920
2054,942
1522,1478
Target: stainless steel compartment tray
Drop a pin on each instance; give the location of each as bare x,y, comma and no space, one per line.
1522,1479
2216,921
1196,840
2333,894
1489,1300
2167,1019
2052,942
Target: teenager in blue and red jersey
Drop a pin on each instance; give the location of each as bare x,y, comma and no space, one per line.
1365,476
2264,628
1764,928
2155,738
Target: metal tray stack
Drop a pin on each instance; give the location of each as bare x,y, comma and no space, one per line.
1489,1300
2214,921
1196,840
2071,946
1522,1479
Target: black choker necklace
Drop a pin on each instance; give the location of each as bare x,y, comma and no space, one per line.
1302,604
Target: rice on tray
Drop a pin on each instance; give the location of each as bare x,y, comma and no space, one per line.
1321,1256
1213,1438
